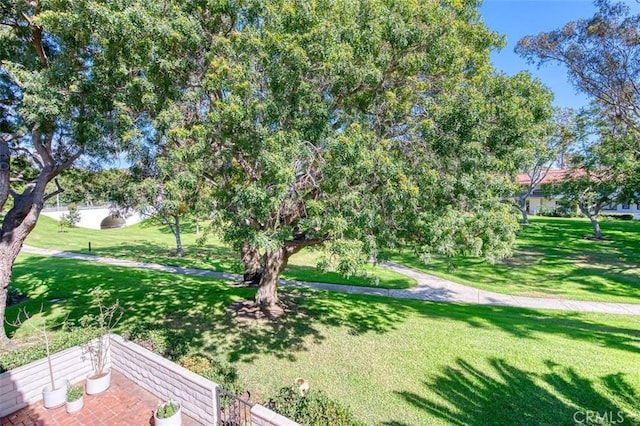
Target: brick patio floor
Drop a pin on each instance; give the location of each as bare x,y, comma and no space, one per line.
124,403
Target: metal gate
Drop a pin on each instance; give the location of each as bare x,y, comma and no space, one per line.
232,410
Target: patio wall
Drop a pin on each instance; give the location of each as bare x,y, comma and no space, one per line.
23,385
165,379
262,416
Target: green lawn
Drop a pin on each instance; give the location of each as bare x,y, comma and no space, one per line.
552,259
149,243
394,362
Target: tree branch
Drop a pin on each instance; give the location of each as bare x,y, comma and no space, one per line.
59,190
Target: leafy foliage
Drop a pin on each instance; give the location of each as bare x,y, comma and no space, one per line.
74,393
362,125
161,340
30,350
166,409
217,371
312,408
70,219
602,55
78,80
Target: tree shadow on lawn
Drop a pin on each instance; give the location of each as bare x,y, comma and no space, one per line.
465,394
192,311
215,258
197,309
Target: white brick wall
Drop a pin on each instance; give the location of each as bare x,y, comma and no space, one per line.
166,379
23,385
262,416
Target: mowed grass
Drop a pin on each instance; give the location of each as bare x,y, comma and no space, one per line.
149,243
394,362
553,259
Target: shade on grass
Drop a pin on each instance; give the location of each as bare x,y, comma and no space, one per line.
394,362
553,259
149,243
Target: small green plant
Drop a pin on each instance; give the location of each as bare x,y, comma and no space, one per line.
166,409
74,393
71,219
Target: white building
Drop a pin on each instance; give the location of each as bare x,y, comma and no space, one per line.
537,201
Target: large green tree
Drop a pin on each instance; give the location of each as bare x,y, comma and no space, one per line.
77,78
546,148
362,126
602,56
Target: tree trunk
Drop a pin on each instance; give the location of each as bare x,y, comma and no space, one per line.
176,233
274,263
252,265
522,206
597,233
9,249
596,227
5,280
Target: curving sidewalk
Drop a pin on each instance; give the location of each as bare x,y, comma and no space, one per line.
428,288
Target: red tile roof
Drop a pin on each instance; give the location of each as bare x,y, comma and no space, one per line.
555,175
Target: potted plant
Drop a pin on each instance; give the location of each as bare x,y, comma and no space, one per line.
98,349
54,394
75,399
168,413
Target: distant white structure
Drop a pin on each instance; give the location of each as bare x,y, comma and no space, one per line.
90,217
538,202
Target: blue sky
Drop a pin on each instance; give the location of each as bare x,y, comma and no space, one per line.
518,18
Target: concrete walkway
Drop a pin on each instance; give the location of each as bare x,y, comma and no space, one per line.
428,288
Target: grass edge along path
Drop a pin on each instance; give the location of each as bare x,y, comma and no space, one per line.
552,259
428,288
145,242
394,362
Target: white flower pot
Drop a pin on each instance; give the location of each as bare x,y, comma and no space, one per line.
98,384
175,420
56,397
75,406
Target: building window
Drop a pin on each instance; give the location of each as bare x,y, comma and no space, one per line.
626,206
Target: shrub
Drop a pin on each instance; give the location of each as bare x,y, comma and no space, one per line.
312,408
557,212
71,219
217,371
28,351
161,340
625,216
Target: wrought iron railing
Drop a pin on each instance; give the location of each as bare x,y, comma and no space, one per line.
233,410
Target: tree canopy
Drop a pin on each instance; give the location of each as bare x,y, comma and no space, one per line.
78,79
602,55
362,126
359,125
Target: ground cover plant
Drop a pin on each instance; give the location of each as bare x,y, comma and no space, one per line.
392,362
150,243
553,259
